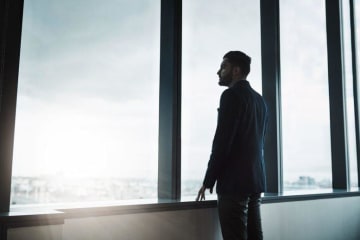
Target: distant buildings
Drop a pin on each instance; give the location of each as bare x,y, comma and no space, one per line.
43,190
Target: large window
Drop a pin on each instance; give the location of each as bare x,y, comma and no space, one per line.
210,29
304,95
87,112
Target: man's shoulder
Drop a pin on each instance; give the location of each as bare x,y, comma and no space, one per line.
246,94
229,92
241,91
229,97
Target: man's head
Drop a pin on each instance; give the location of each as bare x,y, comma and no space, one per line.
235,66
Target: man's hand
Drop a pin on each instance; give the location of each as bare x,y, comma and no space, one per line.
201,194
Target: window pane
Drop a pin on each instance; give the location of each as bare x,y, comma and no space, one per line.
305,96
87,121
351,131
210,29
357,34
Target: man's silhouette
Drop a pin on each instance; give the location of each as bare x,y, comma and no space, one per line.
237,163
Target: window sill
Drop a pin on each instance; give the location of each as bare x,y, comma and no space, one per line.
57,213
305,195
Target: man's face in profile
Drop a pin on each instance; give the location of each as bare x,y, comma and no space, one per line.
225,73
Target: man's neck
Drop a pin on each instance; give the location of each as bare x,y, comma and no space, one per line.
235,81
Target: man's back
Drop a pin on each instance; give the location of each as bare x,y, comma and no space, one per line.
245,168
237,150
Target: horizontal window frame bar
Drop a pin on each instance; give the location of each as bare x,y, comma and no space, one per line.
286,197
28,218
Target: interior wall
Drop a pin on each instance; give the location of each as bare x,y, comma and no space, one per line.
325,219
51,232
172,225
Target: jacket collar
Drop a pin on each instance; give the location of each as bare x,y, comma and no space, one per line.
242,83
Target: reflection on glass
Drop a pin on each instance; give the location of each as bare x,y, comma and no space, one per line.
87,120
305,95
351,131
210,29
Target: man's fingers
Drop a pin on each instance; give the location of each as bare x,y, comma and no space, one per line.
201,194
198,197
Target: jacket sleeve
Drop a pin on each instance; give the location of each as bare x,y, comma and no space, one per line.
225,131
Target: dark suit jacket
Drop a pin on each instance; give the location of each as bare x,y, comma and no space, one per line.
237,161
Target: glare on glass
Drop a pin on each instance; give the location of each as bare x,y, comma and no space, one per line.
87,107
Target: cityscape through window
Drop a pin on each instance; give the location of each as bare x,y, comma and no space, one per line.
87,114
87,109
305,121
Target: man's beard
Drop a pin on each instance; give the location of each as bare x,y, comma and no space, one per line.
225,81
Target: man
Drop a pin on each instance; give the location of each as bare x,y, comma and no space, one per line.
236,162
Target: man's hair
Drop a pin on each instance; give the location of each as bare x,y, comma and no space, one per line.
240,59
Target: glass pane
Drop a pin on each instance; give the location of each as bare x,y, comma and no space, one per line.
210,29
351,131
87,121
305,96
357,34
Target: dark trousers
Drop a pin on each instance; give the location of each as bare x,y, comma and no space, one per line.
240,217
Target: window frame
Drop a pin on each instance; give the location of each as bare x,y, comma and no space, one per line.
336,74
10,37
169,164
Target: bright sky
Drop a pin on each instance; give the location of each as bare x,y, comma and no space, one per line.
88,89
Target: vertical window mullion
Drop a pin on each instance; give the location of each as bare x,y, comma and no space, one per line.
337,95
270,51
169,172
10,27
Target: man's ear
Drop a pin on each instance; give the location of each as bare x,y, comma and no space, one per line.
237,70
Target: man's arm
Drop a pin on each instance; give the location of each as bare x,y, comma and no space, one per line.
225,131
